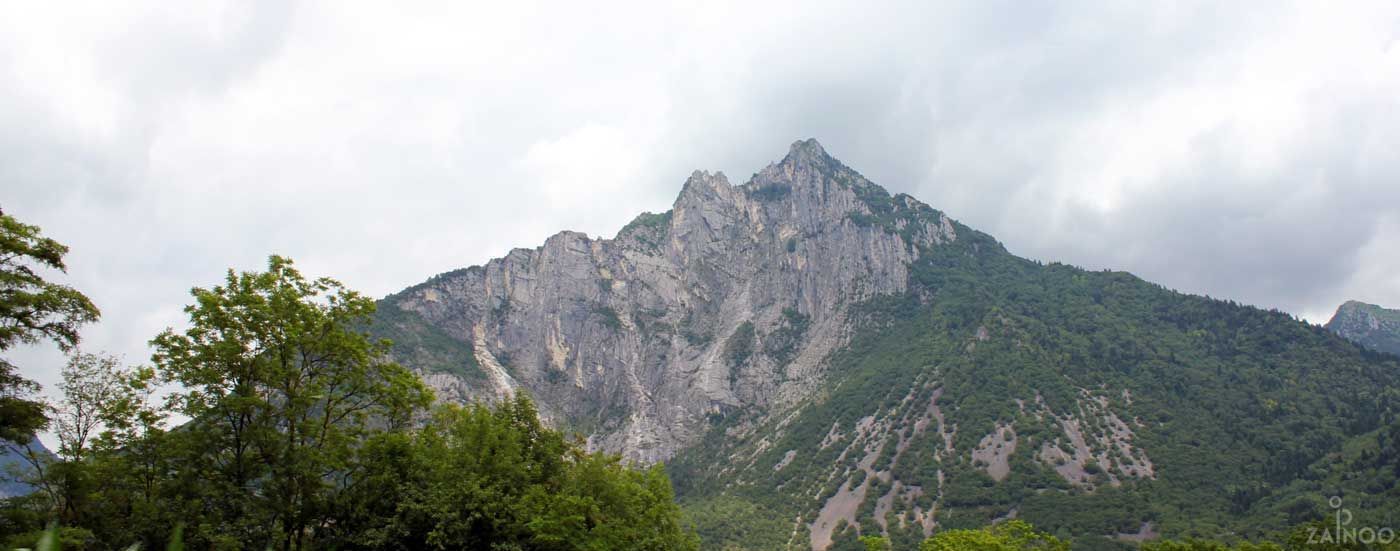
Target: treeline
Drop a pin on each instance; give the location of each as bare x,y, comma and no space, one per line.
295,432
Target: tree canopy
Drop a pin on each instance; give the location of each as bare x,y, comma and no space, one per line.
1012,535
32,309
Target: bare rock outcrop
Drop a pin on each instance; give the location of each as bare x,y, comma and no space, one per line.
732,299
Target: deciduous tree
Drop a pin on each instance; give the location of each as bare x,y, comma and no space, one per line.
282,387
32,309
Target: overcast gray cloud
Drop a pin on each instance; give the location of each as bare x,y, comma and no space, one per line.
1245,151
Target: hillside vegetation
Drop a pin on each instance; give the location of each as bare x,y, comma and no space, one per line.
1094,405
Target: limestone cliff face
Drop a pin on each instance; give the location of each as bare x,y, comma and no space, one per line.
732,299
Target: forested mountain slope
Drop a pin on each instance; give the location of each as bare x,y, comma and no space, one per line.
1094,405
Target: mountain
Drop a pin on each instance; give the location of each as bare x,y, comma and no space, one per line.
816,359
1368,325
14,467
730,300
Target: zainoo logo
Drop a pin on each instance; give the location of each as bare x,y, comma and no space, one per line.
1342,533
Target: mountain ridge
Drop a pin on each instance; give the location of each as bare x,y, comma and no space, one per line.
807,346
792,224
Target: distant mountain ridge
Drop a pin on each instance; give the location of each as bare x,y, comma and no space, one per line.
817,359
1369,325
14,467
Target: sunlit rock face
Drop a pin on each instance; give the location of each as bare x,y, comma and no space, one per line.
733,299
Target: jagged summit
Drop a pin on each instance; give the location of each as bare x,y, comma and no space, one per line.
703,186
809,148
642,324
805,158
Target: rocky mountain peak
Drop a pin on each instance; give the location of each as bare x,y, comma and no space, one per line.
806,151
704,184
1369,325
1355,306
806,167
731,300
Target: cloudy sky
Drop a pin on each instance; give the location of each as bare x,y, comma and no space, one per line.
1241,150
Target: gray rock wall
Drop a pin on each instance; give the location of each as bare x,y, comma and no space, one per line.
628,340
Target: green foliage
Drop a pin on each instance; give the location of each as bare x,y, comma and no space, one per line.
423,345
898,214
1250,417
1322,535
1012,535
782,344
104,414
104,405
303,436
479,478
32,310
738,348
53,538
283,388
648,229
647,221
1207,545
725,522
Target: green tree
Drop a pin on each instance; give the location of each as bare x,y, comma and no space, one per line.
283,389
497,478
95,391
1012,535
1207,545
32,310
91,385
875,543
105,473
1326,535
